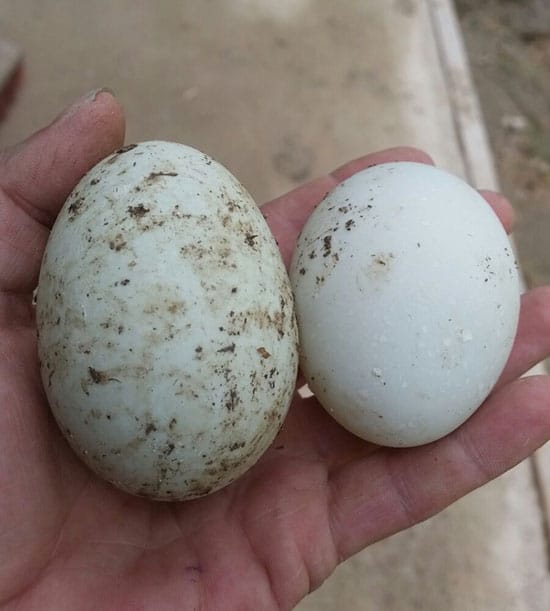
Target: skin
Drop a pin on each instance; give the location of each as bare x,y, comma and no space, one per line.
69,540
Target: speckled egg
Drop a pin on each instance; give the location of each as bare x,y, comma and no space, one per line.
407,300
167,335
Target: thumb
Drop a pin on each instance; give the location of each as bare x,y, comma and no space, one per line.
39,173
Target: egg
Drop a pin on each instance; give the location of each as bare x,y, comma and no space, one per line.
167,334
407,298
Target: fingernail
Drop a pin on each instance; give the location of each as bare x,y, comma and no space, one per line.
91,96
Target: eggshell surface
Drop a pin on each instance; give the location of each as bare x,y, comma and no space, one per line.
167,335
407,299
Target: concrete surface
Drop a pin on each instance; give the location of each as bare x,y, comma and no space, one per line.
280,92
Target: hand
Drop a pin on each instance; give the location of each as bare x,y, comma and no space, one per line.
71,541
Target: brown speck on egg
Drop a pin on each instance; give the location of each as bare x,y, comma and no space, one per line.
74,208
154,175
118,243
229,348
138,211
150,428
98,377
125,149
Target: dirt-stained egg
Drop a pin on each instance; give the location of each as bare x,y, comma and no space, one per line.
407,300
167,335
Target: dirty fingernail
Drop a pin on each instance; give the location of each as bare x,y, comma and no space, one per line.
91,96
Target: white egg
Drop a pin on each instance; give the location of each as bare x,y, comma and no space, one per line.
407,300
167,335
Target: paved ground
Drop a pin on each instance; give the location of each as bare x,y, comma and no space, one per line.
280,92
509,47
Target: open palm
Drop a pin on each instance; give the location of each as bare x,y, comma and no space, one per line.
69,540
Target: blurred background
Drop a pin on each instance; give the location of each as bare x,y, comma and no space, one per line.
282,91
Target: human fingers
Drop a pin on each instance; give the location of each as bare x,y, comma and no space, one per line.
39,173
532,343
501,206
391,490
